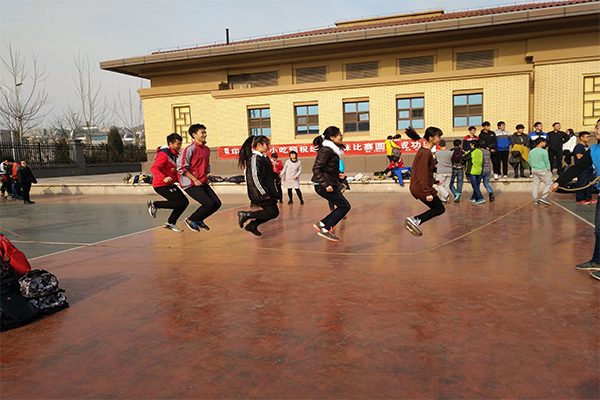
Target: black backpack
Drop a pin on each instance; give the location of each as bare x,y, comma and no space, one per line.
15,310
40,287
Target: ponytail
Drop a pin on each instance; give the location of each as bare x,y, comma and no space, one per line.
248,146
429,133
329,133
411,133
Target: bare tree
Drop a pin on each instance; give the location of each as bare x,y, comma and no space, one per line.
129,111
66,124
24,97
92,110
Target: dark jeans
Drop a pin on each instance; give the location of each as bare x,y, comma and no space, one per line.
298,192
436,207
16,189
555,157
475,183
209,202
278,188
459,175
26,188
7,186
502,159
519,167
176,201
583,179
596,256
342,207
495,159
268,212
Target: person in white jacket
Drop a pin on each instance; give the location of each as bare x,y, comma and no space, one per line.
569,147
290,174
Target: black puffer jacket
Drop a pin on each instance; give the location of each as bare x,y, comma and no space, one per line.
260,180
326,169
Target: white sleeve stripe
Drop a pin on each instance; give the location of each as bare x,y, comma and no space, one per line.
255,175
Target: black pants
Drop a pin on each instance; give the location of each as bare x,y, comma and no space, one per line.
342,206
568,156
25,189
298,192
502,159
436,207
278,188
495,159
176,201
268,212
209,202
555,157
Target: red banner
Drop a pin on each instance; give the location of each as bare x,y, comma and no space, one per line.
308,150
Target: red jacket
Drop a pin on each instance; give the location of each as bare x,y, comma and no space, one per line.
277,166
196,159
165,165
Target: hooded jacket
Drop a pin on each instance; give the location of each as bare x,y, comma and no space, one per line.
165,165
260,179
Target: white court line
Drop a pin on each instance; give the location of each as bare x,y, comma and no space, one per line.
571,212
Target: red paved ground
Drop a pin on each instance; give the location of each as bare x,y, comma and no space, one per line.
499,314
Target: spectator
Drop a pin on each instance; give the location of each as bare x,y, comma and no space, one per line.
569,146
473,166
540,170
556,140
458,173
536,133
443,159
583,196
519,149
466,143
291,176
390,145
6,176
25,178
16,188
489,143
486,172
503,147
277,168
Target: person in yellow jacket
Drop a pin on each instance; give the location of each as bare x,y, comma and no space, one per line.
389,146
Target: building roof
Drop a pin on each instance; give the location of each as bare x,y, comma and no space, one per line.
357,26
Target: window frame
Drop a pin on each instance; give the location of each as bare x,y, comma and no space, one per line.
263,122
468,105
357,120
590,119
410,111
182,129
308,123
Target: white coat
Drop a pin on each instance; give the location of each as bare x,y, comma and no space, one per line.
290,170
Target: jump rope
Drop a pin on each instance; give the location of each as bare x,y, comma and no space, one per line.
312,251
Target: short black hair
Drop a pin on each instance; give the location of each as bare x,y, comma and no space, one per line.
472,128
442,143
274,155
583,133
475,143
520,126
486,123
556,123
539,140
195,128
536,124
501,123
173,137
457,142
389,137
293,152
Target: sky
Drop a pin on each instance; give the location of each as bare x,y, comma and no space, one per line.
102,30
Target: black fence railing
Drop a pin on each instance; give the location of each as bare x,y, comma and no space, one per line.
106,154
37,154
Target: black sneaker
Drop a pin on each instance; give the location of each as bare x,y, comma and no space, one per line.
492,198
192,225
290,202
324,233
595,274
588,266
301,202
151,208
252,229
203,226
243,217
318,225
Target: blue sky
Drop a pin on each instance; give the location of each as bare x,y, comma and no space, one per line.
57,30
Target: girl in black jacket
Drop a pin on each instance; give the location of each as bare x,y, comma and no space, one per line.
260,181
25,178
326,177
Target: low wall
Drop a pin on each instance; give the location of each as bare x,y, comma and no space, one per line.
90,169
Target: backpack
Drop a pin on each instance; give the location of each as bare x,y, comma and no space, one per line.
396,152
13,256
235,179
40,287
15,310
457,162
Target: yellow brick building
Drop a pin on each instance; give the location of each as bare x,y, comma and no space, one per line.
518,64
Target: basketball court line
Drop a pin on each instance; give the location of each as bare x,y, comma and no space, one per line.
576,215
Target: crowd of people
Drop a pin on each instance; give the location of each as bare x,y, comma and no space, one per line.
17,179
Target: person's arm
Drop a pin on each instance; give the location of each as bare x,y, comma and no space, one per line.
572,172
185,165
158,165
319,166
297,176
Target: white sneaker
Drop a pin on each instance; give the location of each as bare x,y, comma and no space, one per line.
172,227
505,176
545,201
413,226
496,176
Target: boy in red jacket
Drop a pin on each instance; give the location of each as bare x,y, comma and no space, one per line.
193,166
165,174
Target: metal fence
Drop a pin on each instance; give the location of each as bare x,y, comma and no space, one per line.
37,154
106,154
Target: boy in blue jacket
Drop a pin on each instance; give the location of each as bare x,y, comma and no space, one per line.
502,148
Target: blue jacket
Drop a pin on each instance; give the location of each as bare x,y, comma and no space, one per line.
502,140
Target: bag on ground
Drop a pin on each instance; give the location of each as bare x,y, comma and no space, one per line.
13,256
40,287
15,310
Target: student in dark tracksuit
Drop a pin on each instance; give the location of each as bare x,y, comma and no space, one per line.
260,181
327,178
25,178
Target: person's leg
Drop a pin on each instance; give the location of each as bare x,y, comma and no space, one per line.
547,179
473,181
505,155
398,173
596,255
495,158
267,213
486,182
582,180
567,157
299,194
278,189
535,176
291,200
209,202
444,187
342,206
460,177
453,179
176,201
436,207
26,187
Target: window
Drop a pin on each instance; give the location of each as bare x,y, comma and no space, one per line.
259,121
310,75
261,79
591,99
182,120
468,109
410,112
307,119
361,70
356,116
416,65
476,59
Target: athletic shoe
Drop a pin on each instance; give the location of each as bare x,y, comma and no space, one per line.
318,225
592,201
243,217
290,202
192,225
252,229
595,274
203,226
588,266
302,202
516,176
505,176
545,201
536,202
472,200
480,201
327,235
584,202
413,224
151,208
496,176
492,198
172,227
457,198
